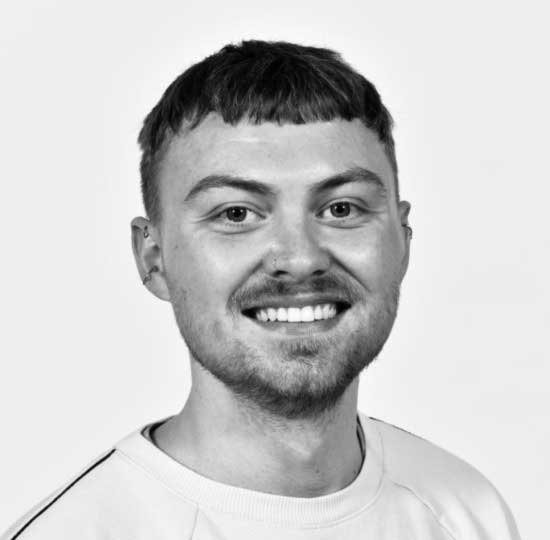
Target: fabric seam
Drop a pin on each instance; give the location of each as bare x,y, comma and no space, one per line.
416,495
62,492
427,505
195,521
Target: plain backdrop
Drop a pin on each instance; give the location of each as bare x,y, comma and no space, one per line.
88,355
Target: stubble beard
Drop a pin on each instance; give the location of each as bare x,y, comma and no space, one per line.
304,378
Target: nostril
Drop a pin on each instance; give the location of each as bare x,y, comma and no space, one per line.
299,262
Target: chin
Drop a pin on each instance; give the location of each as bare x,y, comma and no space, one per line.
297,379
287,375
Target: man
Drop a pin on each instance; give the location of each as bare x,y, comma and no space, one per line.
276,231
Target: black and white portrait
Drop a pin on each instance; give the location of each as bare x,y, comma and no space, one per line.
274,271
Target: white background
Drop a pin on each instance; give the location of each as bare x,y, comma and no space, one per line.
87,355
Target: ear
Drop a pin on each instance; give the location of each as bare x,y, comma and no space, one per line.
148,256
404,207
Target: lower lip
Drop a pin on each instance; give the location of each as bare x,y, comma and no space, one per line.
300,328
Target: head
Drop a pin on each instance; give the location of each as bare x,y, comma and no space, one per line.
270,185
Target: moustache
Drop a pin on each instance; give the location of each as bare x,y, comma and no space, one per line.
327,285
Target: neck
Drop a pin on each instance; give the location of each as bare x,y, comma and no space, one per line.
228,441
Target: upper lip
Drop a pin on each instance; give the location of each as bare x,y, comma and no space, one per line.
298,300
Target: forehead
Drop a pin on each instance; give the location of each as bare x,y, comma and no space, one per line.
287,155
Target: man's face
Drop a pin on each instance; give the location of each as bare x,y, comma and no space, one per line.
264,222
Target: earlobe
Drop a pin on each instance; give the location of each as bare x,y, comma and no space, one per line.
148,257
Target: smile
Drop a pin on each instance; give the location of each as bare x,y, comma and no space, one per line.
297,314
298,321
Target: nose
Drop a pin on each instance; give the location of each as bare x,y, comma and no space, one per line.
295,253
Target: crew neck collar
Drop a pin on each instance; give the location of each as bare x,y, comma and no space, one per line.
255,505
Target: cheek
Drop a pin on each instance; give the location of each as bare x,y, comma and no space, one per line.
374,259
208,271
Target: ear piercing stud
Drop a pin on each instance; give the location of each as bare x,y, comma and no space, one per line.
148,276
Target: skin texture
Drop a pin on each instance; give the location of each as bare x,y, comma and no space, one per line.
272,408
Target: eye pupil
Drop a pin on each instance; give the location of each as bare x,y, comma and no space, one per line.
340,209
236,213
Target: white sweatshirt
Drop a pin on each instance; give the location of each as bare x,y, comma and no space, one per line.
407,488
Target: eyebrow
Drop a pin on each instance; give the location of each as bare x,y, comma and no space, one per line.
217,181
353,175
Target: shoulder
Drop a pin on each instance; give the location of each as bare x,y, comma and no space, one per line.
67,504
457,494
112,497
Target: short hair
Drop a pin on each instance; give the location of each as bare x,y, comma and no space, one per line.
260,81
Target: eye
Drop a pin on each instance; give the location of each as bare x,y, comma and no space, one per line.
236,213
340,210
237,216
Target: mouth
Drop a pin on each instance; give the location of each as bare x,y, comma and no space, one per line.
298,320
310,313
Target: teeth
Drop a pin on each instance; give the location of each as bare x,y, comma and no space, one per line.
329,311
296,314
318,312
306,314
